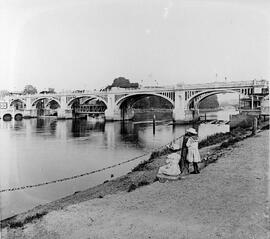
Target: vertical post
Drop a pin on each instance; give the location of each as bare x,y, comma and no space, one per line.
255,125
239,103
154,124
252,102
123,114
110,111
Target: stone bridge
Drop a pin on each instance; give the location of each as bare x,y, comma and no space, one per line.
117,103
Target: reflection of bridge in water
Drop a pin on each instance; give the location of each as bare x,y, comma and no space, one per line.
117,104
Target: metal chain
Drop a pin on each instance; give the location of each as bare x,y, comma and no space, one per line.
83,174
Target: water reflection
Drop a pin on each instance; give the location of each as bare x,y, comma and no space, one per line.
40,123
53,126
82,128
18,125
129,132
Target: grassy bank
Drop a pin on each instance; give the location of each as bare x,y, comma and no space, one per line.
143,174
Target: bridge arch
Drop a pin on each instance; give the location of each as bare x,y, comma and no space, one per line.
88,98
18,116
7,117
141,95
208,93
44,98
16,100
53,100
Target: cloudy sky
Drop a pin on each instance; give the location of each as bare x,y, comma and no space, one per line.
76,44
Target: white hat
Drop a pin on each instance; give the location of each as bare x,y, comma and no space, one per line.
192,131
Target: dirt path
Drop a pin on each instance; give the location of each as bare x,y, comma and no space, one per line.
229,199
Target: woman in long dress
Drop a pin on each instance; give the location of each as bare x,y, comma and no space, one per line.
183,163
193,155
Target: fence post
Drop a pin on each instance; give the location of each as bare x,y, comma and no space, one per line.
255,126
154,124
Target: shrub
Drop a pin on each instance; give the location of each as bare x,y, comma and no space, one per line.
28,219
143,183
143,165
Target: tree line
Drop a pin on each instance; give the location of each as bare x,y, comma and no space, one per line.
28,90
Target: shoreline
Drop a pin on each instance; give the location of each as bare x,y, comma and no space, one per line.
143,174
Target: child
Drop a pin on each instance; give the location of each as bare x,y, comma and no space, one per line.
193,155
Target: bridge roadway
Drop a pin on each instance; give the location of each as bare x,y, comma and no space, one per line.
117,103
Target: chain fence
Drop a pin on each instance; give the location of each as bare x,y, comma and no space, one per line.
87,173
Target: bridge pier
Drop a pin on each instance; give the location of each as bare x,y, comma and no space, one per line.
119,114
109,115
64,113
30,113
109,112
179,114
182,115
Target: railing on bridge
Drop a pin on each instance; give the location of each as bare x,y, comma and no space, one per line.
89,109
234,84
152,110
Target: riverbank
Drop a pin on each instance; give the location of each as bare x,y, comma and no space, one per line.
143,175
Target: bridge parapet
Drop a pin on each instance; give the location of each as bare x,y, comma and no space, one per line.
231,84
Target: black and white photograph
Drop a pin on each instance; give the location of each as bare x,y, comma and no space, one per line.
134,119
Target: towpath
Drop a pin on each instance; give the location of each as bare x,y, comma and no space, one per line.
229,199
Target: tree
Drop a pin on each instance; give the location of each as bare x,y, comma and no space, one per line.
122,82
152,102
29,90
210,102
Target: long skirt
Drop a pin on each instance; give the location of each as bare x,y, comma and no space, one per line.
193,155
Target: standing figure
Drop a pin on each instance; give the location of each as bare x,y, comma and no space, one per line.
183,163
193,155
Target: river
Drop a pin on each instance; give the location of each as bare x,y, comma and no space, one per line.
38,150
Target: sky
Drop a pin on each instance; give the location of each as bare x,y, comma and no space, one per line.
83,44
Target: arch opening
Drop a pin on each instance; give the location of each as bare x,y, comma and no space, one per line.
46,106
91,108
18,104
140,107
133,98
200,96
7,117
18,117
216,106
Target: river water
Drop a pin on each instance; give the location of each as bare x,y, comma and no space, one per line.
38,150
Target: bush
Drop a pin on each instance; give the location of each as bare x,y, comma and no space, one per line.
213,139
28,219
143,183
230,141
220,137
143,166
